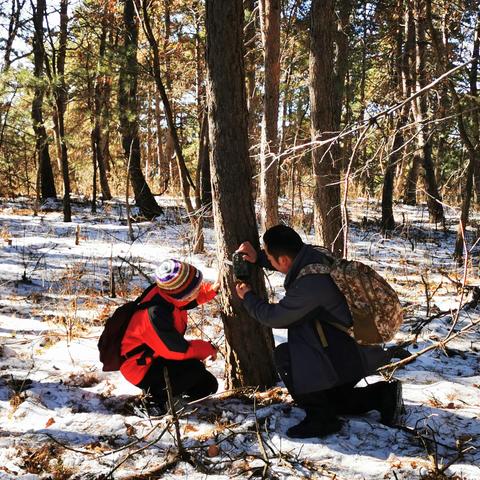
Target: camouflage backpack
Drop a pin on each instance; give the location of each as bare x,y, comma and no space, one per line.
376,311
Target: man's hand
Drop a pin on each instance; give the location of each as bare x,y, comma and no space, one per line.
250,254
242,289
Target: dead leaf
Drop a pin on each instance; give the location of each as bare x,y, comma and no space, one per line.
190,428
50,421
130,430
213,450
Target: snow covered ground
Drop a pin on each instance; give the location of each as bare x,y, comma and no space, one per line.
62,417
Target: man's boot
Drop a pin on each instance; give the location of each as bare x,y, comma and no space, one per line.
320,419
314,425
391,402
385,397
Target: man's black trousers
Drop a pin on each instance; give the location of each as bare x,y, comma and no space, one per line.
342,399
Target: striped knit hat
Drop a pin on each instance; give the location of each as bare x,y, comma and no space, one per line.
178,279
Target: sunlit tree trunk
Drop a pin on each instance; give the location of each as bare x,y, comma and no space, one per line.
270,26
60,96
441,52
128,114
327,210
420,110
101,94
45,173
247,362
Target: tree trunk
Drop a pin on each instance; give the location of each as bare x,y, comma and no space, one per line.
395,155
420,110
161,165
45,172
205,181
102,90
327,211
388,220
251,61
441,52
128,114
474,94
247,362
410,196
173,172
408,82
60,95
270,22
185,180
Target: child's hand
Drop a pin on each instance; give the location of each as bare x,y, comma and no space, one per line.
216,286
213,356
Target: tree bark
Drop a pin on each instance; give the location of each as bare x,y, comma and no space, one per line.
102,90
388,220
441,53
474,93
251,60
270,22
395,155
45,172
161,166
247,362
327,208
128,114
408,80
420,110
185,179
60,96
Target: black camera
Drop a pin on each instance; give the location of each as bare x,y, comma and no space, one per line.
241,268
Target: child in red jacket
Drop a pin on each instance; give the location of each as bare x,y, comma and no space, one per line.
155,336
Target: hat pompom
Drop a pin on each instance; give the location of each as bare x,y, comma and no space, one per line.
178,279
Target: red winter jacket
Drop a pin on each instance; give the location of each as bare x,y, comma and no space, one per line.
161,328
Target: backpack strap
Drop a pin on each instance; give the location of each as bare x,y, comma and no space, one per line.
321,334
147,351
321,269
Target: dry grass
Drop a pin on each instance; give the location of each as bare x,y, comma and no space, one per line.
46,458
83,380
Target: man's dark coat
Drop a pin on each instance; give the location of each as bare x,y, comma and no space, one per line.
313,367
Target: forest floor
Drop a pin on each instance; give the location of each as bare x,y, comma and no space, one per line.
62,417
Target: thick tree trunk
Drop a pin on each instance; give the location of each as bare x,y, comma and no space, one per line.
45,172
249,345
128,114
327,208
269,165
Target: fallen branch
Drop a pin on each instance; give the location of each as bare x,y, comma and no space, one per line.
440,344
